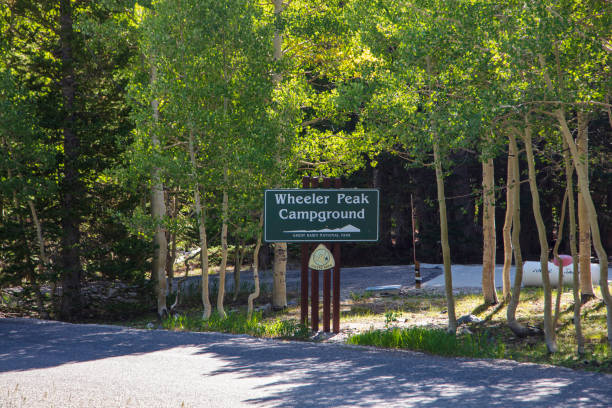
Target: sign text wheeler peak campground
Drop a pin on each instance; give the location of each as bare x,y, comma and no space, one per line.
316,215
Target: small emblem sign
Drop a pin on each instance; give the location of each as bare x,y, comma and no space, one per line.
321,259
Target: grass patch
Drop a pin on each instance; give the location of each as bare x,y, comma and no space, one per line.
358,297
238,323
424,318
431,341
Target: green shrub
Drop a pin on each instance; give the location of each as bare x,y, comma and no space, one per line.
238,323
391,316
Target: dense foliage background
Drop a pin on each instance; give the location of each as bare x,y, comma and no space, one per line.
105,103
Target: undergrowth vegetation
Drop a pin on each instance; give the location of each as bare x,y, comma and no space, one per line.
435,341
239,323
417,322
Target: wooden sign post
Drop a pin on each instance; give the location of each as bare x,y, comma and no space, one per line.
314,216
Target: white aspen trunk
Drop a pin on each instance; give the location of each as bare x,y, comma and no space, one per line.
513,324
39,233
583,185
44,260
586,284
549,332
172,255
556,256
278,41
201,216
224,211
158,212
279,270
569,170
237,265
510,186
448,277
255,293
279,267
488,232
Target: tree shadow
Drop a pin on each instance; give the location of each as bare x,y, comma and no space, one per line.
302,374
326,375
27,344
485,306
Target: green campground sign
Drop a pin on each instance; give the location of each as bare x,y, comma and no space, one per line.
321,215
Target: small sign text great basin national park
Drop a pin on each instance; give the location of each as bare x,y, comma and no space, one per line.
321,215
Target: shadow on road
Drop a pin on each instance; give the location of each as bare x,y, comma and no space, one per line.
333,376
293,374
27,344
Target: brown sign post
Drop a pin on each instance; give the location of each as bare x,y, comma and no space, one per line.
313,182
321,213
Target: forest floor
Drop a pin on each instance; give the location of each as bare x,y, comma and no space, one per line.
428,309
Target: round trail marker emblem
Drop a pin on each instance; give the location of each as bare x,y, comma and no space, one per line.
321,259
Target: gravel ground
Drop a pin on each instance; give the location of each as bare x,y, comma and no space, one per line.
52,364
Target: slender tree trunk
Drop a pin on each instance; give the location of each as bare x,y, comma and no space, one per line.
510,186
549,331
237,265
255,293
158,212
44,260
172,256
513,324
201,216
277,77
224,210
586,284
583,185
31,274
569,170
279,267
488,232
31,269
556,256
71,186
448,277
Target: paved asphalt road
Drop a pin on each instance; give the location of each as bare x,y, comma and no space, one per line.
51,364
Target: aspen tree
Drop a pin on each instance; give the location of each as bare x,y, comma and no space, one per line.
569,172
549,331
511,184
513,323
584,234
488,227
279,266
158,212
